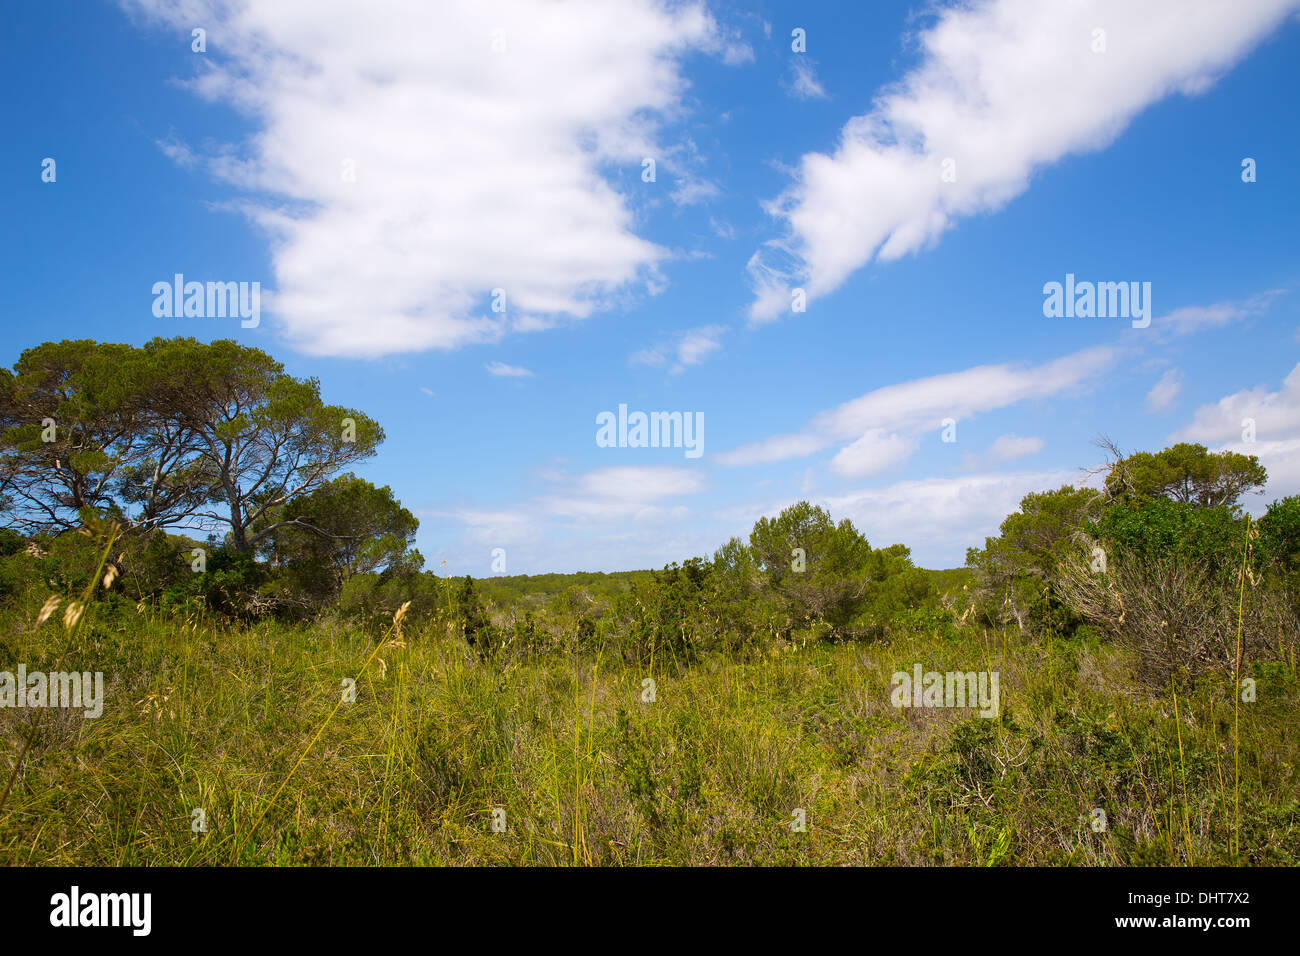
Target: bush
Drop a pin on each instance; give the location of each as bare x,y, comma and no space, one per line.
1279,535
1179,614
1149,529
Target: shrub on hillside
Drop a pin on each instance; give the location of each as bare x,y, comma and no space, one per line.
1174,589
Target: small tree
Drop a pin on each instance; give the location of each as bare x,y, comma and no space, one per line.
1017,568
819,570
345,527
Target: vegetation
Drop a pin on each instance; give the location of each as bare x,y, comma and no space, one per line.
286,684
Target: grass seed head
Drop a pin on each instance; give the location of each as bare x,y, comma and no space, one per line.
72,614
51,604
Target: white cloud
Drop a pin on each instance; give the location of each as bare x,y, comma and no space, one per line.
1004,88
875,452
625,491
1276,417
691,348
613,518
938,518
471,169
697,344
502,370
1282,461
1011,447
1164,393
492,528
1198,318
641,483
692,190
177,151
1276,414
804,85
654,357
911,408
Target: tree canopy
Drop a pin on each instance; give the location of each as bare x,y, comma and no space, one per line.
182,433
1187,473
345,527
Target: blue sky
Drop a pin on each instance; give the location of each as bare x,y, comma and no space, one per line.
502,145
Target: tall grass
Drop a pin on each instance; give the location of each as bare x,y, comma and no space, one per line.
246,723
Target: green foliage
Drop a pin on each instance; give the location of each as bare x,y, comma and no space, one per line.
232,582
545,718
345,527
1033,540
1279,534
817,570
177,433
1145,529
475,625
1017,567
373,599
1186,473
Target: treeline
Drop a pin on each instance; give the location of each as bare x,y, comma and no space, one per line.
226,479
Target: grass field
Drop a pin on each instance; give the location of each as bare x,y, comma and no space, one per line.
559,759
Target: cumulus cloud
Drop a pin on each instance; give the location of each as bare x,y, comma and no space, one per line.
1276,415
1256,422
1003,88
406,162
1164,393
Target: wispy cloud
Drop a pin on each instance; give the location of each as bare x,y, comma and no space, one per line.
502,370
1199,318
634,492
690,347
933,514
804,84
1164,393
887,422
1011,447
